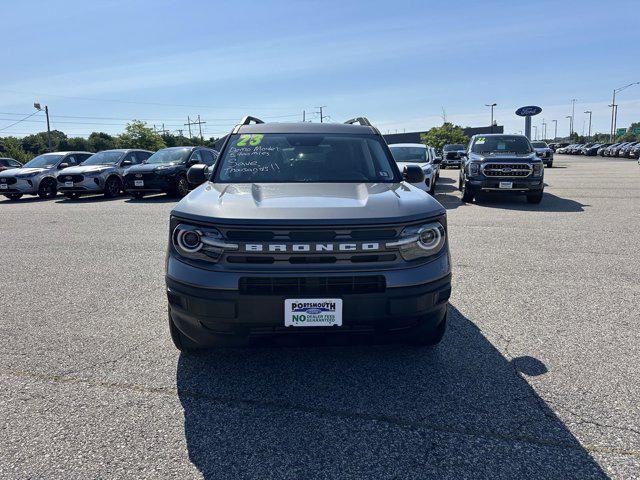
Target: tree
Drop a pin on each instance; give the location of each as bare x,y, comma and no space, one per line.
74,144
448,133
99,141
11,147
138,135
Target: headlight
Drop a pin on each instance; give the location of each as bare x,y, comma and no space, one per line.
200,243
420,241
27,175
537,169
95,173
474,168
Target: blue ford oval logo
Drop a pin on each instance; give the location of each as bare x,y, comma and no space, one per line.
528,111
313,311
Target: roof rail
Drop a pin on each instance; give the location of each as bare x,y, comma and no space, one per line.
361,120
248,119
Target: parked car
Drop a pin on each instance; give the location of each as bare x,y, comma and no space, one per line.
601,148
635,151
451,155
610,148
544,152
615,151
556,146
306,229
38,176
583,149
8,163
626,150
575,149
501,163
406,154
100,173
166,171
563,150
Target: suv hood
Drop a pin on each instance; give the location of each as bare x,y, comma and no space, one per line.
151,167
308,202
85,169
21,171
542,149
422,165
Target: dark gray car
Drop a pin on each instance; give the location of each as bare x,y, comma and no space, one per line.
306,229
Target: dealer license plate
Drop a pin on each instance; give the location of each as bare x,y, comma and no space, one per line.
506,184
138,183
4,186
312,312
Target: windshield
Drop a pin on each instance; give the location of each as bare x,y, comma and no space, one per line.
300,157
539,145
103,158
501,144
43,161
409,154
170,155
457,146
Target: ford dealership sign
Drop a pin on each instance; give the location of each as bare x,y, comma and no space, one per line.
528,111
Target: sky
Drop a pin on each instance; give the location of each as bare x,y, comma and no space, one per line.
402,64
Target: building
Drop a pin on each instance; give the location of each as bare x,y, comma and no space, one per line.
414,137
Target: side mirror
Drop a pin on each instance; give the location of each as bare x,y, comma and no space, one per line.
63,165
197,174
437,160
413,174
126,163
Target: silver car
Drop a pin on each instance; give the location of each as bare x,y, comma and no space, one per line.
38,177
100,173
423,156
544,152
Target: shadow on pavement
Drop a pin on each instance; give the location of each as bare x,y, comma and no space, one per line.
161,198
550,203
460,410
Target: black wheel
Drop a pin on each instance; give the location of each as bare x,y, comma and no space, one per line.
535,198
432,188
182,186
137,195
113,187
180,341
72,196
14,196
467,193
550,165
426,336
47,189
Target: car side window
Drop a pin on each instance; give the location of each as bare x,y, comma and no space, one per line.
131,156
70,160
14,164
196,157
207,157
142,156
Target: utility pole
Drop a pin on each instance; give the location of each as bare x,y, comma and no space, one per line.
200,127
544,129
38,107
535,135
304,116
188,124
614,109
590,113
163,131
492,105
320,112
180,130
573,114
555,135
199,123
570,125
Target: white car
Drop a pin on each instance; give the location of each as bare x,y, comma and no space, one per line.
421,155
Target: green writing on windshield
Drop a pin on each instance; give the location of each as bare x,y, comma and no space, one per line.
252,140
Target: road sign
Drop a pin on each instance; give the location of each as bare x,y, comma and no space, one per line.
621,131
528,111
635,130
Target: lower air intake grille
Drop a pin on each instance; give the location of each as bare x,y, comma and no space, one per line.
312,285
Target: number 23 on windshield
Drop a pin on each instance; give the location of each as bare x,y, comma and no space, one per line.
252,140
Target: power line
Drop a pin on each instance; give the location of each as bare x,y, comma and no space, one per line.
21,120
234,119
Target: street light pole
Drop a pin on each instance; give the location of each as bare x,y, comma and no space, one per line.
535,135
38,107
492,105
573,114
544,129
614,109
590,113
555,135
570,125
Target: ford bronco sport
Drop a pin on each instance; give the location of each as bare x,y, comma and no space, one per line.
306,229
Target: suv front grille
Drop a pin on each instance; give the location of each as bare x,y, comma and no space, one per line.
312,285
70,178
507,169
8,180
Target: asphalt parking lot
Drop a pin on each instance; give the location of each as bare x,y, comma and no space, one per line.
538,375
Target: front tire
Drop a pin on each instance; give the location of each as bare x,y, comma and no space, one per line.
535,198
467,193
113,187
426,336
182,186
47,189
180,341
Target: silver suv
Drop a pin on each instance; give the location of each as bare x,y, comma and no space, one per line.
100,173
306,229
38,177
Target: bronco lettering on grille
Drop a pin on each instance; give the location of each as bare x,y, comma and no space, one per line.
311,247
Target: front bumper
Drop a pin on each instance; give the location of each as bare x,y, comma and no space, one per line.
88,185
153,183
520,185
218,310
24,186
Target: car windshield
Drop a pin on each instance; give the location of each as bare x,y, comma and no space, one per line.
43,161
514,144
408,154
170,155
457,146
103,158
5,163
539,145
305,157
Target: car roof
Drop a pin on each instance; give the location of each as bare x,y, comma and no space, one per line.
415,145
305,127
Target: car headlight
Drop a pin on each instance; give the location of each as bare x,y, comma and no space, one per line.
537,169
420,241
200,243
474,168
27,175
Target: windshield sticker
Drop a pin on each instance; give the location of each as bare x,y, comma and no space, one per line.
480,140
253,140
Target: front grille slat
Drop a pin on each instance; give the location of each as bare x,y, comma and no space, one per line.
70,178
507,169
342,285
